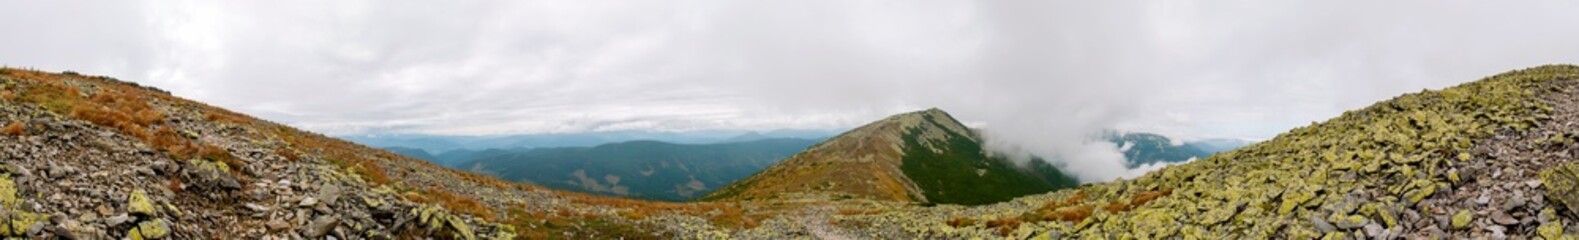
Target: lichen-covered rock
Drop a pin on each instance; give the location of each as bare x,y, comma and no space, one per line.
152,229
1562,185
137,203
1551,230
1461,219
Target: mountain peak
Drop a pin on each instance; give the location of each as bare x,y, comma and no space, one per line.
921,156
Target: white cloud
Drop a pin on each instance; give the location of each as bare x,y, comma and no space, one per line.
1043,74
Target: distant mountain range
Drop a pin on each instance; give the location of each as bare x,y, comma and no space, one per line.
677,172
641,169
1147,148
435,144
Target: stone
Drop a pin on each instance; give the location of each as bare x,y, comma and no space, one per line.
1420,194
308,202
329,194
1500,217
1533,183
1551,230
1335,236
1322,225
1343,221
36,228
276,225
104,210
1374,229
1546,215
255,207
70,229
1562,184
154,229
116,220
320,226
138,204
1515,202
1461,219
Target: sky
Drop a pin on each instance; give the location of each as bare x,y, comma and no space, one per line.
1040,77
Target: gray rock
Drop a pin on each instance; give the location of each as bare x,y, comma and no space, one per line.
255,207
276,224
1517,201
1502,218
1347,224
1374,230
1533,183
35,229
308,202
1322,225
116,220
321,226
329,194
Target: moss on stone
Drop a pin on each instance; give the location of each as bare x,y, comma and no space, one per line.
154,229
1462,219
138,203
7,191
1550,230
1562,184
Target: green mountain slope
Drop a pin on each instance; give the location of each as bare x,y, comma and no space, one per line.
923,156
965,174
641,169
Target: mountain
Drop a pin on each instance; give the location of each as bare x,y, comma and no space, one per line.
746,137
445,143
1487,159
415,153
640,169
925,157
1148,148
1217,145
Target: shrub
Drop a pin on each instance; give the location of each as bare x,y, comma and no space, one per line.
1005,226
14,129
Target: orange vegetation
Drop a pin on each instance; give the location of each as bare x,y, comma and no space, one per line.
722,214
14,129
458,202
859,211
1005,226
123,107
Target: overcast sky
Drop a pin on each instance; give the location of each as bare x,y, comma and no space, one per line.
1034,73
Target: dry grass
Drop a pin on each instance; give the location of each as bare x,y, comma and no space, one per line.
14,129
961,222
1071,209
460,203
1075,209
848,211
721,214
1005,226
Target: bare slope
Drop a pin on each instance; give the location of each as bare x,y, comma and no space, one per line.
94,157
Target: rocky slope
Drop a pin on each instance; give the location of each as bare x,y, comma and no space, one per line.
1487,159
88,157
925,157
